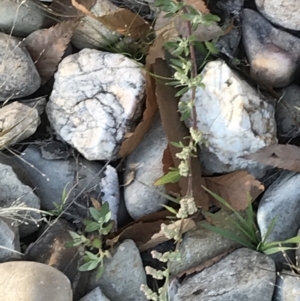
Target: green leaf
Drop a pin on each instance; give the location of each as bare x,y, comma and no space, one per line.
74,243
200,46
171,177
74,235
104,210
100,271
182,91
107,217
177,144
270,229
97,243
95,213
90,265
87,222
210,17
211,47
107,229
91,256
170,209
276,250
92,227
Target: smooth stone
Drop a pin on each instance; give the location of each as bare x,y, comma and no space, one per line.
242,275
230,110
17,122
93,34
96,100
146,160
287,287
23,18
123,274
95,295
9,241
274,55
77,176
32,281
18,71
282,201
285,13
200,245
287,115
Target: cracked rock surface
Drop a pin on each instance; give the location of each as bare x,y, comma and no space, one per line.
96,99
230,110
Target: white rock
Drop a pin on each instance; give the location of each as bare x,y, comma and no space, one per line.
234,119
285,13
96,99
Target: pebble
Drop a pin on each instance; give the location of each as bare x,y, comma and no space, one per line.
274,55
287,287
95,295
96,100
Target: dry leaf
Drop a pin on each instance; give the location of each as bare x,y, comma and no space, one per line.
176,131
234,188
198,5
65,10
96,203
130,144
278,155
47,46
165,27
156,50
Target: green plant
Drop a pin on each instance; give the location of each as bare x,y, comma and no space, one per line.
248,233
59,208
92,239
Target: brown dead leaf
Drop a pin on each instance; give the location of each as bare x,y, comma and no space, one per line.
198,5
176,131
278,155
47,46
234,188
156,50
129,144
65,10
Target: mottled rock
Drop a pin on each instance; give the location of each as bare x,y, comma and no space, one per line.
116,283
9,241
95,295
287,287
93,34
21,17
19,76
17,122
230,110
146,160
242,275
79,177
96,99
287,113
285,13
32,281
281,200
274,55
15,193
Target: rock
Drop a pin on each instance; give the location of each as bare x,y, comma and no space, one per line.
78,177
287,287
287,115
242,275
274,55
95,295
18,71
9,241
96,99
23,18
93,34
116,283
32,281
280,200
17,122
146,160
228,109
200,245
15,193
284,13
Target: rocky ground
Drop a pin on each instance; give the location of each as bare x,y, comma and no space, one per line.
87,132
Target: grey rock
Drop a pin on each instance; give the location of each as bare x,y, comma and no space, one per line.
146,160
284,13
14,193
32,281
282,201
9,241
23,17
123,275
274,55
287,115
95,295
287,287
19,76
243,275
200,245
93,34
230,110
80,178
96,100
17,122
